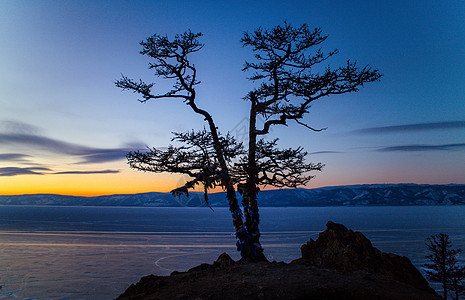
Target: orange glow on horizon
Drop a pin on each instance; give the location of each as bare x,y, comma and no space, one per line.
128,182
133,182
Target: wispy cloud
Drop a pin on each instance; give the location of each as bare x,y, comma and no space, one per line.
416,148
104,155
19,127
89,172
24,135
43,143
325,152
13,157
13,171
412,127
88,154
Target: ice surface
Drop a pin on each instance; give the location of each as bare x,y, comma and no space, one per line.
96,253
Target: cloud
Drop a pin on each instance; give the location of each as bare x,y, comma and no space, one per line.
25,135
412,127
13,171
89,172
19,127
13,157
104,155
89,154
325,152
43,143
416,148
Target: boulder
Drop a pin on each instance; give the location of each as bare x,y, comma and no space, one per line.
224,260
345,250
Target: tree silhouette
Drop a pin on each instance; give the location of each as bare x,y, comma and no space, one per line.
171,62
197,159
284,69
443,267
456,282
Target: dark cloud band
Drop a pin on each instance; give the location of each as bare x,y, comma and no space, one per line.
325,152
89,172
412,127
13,157
413,148
13,171
89,154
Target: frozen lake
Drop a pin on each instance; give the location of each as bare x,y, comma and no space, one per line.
97,252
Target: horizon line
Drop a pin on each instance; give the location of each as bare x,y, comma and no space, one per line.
216,192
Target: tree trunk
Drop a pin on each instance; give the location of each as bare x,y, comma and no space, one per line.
242,236
236,213
249,196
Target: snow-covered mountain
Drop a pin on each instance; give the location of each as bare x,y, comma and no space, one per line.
367,195
357,195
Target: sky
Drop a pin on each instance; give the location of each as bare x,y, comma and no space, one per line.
65,128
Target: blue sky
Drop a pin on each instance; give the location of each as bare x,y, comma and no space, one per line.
64,124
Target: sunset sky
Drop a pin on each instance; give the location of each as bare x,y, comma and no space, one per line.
65,128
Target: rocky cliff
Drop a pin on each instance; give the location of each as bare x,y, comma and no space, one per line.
339,248
340,264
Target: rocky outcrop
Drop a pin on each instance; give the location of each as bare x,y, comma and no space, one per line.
340,264
223,261
342,249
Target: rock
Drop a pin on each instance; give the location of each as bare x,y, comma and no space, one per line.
223,261
201,267
340,264
147,285
345,250
273,281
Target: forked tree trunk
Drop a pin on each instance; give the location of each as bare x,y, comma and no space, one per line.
249,195
242,235
236,213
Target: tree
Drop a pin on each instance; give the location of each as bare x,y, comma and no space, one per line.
171,62
456,282
443,267
284,68
197,159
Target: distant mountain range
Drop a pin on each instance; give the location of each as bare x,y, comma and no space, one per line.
356,195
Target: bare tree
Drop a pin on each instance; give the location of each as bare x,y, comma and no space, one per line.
284,67
171,62
196,158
